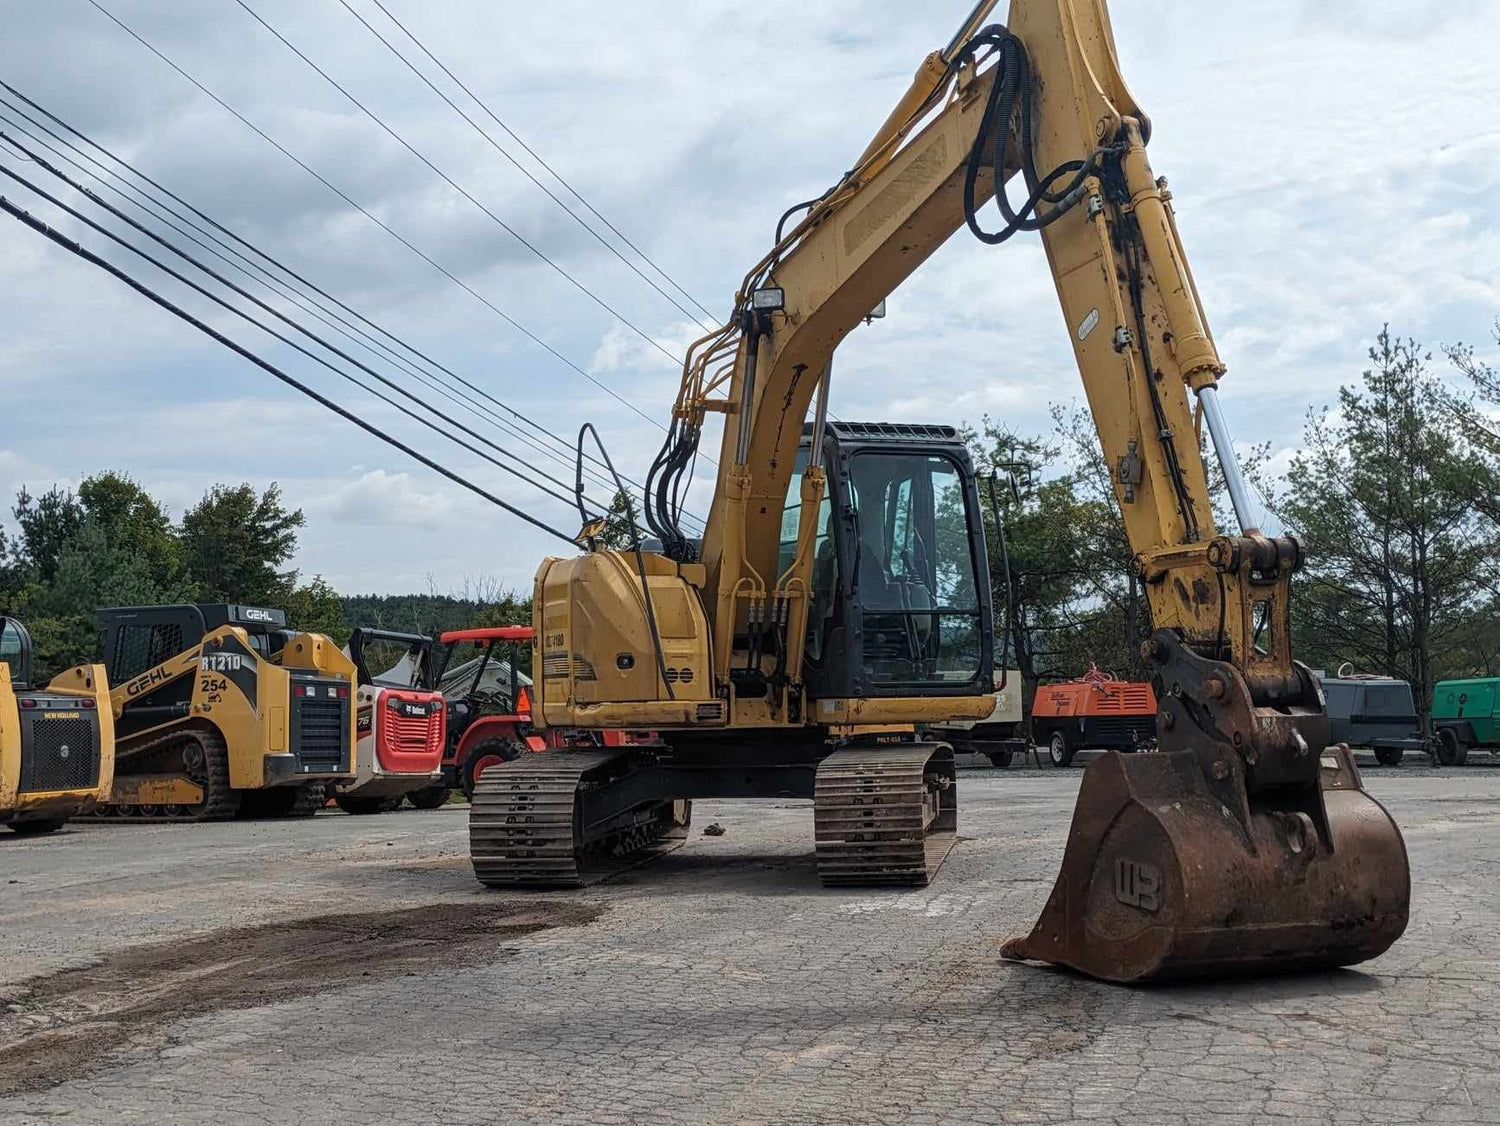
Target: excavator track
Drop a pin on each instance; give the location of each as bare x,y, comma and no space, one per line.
523,821
220,802
885,815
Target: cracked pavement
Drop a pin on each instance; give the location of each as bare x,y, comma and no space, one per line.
722,984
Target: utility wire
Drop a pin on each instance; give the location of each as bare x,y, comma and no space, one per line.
506,317
80,188
533,154
564,447
343,326
270,281
494,144
162,266
461,190
92,258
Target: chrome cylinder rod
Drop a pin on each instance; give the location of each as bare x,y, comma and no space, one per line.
1234,478
971,25
820,418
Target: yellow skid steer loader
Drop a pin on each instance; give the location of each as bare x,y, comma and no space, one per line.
56,743
221,711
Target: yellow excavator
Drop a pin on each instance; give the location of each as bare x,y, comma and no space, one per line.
56,743
839,596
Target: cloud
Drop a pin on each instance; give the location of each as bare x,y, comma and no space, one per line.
380,499
1320,194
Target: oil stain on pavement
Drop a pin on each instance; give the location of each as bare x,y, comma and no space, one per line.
69,1024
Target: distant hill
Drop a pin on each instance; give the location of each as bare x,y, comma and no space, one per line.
431,613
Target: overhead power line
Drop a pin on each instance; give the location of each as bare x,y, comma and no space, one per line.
579,219
463,191
369,427
201,290
144,204
561,451
486,302
82,189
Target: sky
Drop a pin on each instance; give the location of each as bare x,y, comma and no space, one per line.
1334,167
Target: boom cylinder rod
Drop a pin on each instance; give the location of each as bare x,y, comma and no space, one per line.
1239,493
971,25
820,418
747,391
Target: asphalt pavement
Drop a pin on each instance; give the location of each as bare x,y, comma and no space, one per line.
349,970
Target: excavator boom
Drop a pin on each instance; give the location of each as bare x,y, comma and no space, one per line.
1247,843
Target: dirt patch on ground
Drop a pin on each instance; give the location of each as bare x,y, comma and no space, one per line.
67,1025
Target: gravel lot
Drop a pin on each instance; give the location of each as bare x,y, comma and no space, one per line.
349,970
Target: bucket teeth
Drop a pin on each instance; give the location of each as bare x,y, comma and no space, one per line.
1161,880
885,815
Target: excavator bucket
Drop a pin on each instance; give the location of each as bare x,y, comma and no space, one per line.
1163,879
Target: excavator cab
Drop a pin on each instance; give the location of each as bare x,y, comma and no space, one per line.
900,584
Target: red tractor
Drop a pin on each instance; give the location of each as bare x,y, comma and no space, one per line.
479,672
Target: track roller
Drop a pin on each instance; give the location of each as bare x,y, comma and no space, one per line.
194,766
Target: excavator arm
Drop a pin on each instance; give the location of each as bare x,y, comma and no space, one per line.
1247,842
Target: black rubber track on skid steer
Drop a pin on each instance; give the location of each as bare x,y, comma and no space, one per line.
870,811
220,803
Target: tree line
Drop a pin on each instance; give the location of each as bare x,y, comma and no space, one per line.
1394,492
110,543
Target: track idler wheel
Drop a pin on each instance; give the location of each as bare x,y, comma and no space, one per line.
1162,879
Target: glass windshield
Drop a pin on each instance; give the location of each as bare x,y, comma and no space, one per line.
11,651
915,569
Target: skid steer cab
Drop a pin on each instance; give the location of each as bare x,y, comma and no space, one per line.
400,723
220,711
56,742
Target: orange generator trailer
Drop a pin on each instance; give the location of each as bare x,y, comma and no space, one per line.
1094,712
